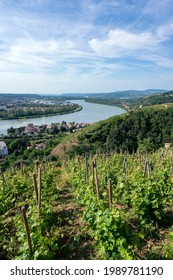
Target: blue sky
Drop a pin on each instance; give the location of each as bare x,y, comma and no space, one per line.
60,46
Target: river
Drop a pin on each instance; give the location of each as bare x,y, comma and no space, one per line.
90,113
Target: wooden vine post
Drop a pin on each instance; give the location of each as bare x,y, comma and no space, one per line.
110,193
149,170
125,168
86,170
25,221
93,174
147,167
37,165
35,187
96,178
39,191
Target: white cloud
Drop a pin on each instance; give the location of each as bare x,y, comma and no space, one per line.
148,46
41,53
119,41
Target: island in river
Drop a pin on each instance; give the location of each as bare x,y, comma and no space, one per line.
16,106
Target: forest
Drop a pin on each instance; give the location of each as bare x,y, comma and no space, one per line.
147,129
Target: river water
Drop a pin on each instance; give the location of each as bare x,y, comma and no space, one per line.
90,113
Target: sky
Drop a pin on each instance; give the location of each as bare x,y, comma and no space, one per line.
85,46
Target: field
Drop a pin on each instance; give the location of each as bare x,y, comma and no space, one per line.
160,106
110,206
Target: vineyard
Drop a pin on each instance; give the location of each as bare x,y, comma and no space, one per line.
119,204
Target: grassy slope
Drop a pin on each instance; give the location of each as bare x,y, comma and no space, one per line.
159,106
82,136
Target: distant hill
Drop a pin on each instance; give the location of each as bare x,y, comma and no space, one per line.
125,94
19,95
116,94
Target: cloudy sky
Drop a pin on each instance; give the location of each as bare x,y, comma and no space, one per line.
59,46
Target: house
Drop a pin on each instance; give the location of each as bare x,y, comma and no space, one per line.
30,128
3,149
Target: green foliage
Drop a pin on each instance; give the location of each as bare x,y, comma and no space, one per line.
18,191
147,129
168,248
156,99
140,202
142,197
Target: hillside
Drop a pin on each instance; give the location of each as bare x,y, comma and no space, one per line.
115,95
156,99
133,100
147,129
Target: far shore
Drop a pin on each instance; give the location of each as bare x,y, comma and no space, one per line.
43,115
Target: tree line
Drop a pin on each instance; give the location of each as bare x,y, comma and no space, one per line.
147,129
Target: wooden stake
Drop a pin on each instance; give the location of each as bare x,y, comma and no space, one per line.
149,170
39,191
86,170
110,193
24,218
145,167
125,168
37,165
96,180
93,174
35,187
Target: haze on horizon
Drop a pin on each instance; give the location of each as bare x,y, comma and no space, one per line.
63,46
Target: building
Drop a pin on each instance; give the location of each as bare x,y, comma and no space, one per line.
3,149
30,128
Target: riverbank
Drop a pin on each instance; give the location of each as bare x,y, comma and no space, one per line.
110,102
90,113
43,115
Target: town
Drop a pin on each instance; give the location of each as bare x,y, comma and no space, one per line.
34,137
53,128
19,106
